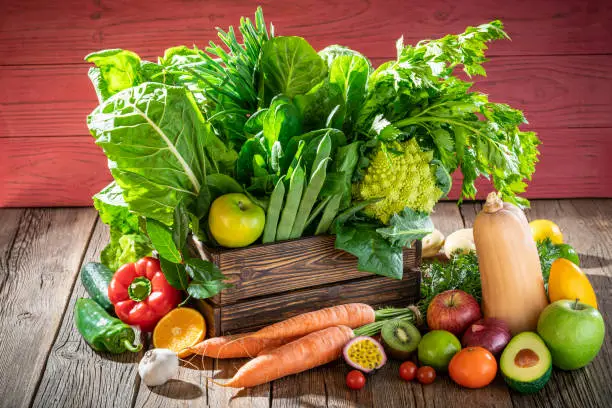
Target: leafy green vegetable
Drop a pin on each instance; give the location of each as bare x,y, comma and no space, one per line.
375,254
127,242
350,73
418,96
407,226
163,242
115,71
319,140
206,279
175,273
290,66
159,146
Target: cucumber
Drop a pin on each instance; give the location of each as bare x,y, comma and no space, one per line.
95,278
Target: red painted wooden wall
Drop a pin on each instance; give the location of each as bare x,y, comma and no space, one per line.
558,68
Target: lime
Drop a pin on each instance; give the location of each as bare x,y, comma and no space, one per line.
437,348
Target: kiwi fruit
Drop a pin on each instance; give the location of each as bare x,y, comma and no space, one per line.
400,338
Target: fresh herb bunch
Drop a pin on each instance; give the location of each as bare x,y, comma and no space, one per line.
299,132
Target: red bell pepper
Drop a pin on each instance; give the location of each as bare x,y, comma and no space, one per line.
141,294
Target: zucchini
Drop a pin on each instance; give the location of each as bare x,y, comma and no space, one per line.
95,278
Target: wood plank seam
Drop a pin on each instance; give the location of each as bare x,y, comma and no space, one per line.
65,309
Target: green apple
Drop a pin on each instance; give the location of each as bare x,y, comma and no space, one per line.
235,221
573,332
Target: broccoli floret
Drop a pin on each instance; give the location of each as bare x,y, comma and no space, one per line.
400,174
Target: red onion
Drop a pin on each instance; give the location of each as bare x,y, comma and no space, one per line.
490,333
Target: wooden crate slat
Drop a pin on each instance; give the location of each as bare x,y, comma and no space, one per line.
252,314
262,270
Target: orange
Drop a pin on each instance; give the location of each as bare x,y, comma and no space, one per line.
473,367
567,281
181,328
542,229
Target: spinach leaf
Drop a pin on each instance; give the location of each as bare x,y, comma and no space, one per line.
350,73
290,66
206,279
406,227
163,242
127,242
281,122
180,226
375,254
159,147
115,71
322,106
244,166
175,273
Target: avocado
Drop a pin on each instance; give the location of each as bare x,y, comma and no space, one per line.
526,363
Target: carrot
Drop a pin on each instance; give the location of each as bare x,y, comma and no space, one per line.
237,346
307,352
352,315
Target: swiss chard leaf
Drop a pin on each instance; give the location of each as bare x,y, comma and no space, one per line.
406,227
374,253
290,66
159,147
115,71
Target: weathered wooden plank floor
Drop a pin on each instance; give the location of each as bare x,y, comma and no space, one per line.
45,363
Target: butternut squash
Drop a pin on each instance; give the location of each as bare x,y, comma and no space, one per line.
510,272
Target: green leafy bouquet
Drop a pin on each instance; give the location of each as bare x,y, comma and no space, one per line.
321,141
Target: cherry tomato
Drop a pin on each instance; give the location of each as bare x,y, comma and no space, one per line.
355,380
408,370
473,367
426,375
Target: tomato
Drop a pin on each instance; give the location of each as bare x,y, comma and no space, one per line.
408,370
355,380
426,375
473,367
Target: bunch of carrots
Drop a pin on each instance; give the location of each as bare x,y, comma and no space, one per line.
296,344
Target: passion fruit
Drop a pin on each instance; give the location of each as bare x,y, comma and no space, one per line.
365,354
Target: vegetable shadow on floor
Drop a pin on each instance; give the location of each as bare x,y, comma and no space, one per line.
178,389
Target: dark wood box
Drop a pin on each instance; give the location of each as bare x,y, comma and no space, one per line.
275,281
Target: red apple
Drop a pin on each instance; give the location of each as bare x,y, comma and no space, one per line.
453,311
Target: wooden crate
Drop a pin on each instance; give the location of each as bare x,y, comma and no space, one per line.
272,282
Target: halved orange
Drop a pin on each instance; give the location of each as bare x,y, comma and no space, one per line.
181,328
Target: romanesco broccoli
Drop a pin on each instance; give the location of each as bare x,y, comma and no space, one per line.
401,180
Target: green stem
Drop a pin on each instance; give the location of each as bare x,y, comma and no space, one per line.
129,346
139,289
415,120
